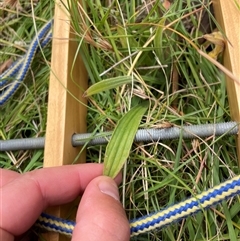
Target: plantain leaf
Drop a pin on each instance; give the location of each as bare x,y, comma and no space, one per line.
120,144
107,84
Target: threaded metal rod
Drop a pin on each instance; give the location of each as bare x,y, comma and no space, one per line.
22,144
142,135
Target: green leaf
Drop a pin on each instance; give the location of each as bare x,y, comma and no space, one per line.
107,84
158,40
120,144
231,230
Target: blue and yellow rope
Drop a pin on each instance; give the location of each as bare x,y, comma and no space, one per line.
162,218
18,70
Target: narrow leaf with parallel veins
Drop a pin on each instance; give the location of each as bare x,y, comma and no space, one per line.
107,84
120,144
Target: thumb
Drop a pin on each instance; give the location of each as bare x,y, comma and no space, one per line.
100,214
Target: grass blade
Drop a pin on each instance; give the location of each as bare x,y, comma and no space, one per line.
158,40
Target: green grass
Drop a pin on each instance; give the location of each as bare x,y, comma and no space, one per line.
157,51
25,114
115,44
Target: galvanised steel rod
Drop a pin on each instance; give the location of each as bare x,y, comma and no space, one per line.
22,144
142,135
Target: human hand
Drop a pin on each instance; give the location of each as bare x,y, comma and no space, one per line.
24,197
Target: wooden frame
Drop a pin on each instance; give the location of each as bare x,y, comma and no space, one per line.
67,116
228,16
66,111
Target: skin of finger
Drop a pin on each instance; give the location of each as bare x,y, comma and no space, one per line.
6,236
100,217
7,176
28,195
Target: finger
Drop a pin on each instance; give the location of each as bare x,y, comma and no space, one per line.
29,194
6,236
100,215
7,176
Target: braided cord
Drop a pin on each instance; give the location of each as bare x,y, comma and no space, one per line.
162,218
186,208
19,69
55,224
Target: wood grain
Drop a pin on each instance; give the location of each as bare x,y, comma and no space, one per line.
228,16
66,114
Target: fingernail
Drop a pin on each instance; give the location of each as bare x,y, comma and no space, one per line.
109,187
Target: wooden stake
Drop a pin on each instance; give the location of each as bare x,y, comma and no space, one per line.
228,16
66,113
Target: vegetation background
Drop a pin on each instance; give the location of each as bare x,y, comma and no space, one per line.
155,44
